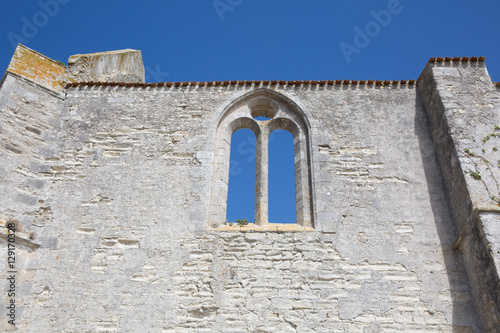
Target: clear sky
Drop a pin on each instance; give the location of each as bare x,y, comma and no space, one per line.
212,40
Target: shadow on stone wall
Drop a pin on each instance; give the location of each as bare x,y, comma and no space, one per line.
464,314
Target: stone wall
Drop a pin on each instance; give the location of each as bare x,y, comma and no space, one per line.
116,189
464,109
300,282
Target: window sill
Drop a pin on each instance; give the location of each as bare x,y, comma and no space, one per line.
271,227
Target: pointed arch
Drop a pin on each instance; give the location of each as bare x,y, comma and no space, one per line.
265,97
285,114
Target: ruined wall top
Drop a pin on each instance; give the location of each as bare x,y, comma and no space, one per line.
122,66
37,68
113,66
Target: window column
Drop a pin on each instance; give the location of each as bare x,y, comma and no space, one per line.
261,176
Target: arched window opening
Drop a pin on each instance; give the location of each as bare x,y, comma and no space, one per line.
282,199
261,112
241,191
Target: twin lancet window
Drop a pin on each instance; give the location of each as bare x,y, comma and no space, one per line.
283,114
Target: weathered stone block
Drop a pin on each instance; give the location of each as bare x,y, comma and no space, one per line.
113,66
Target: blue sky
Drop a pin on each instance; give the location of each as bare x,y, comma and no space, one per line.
212,40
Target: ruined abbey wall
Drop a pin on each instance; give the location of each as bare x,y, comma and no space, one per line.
111,186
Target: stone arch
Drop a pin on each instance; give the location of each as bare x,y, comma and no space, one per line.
284,114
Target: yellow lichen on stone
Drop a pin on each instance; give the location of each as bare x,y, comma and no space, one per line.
37,68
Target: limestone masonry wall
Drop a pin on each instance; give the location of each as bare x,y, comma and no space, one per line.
110,187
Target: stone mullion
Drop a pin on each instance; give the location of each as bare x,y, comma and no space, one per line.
262,176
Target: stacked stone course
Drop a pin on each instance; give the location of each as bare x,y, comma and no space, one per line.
296,282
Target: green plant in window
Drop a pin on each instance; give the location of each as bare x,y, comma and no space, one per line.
242,222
